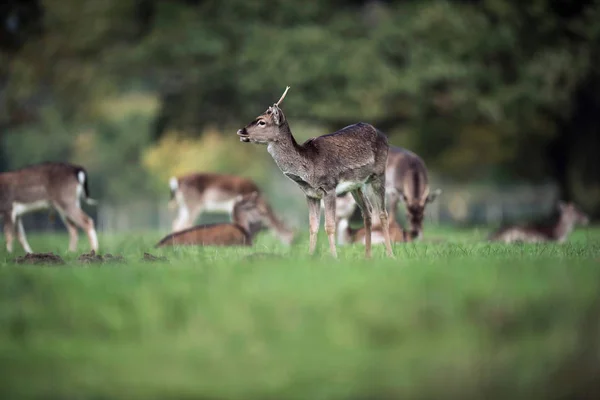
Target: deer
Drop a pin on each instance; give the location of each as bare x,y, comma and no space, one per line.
352,159
50,185
556,231
248,213
406,180
196,193
348,235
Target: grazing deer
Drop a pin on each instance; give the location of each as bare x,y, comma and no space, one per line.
405,180
41,186
199,192
349,160
557,231
249,212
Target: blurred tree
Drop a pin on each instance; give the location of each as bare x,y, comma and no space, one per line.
486,89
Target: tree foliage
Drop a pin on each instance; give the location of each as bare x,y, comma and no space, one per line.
483,89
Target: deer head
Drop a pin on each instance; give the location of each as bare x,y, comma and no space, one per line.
251,211
415,211
570,212
267,127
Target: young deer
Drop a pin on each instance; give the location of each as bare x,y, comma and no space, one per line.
557,231
349,160
405,180
349,235
199,192
41,186
249,212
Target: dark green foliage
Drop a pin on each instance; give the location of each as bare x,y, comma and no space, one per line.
482,89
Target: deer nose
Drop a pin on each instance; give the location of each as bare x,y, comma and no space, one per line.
241,132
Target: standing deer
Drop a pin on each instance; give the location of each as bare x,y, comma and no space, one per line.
249,212
199,192
405,180
349,160
41,186
556,231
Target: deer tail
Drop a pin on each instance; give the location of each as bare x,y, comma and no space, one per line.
82,179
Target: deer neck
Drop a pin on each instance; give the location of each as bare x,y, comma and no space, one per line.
563,227
286,152
345,234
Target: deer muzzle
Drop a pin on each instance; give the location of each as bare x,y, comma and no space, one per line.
243,135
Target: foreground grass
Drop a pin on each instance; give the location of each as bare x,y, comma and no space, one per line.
452,317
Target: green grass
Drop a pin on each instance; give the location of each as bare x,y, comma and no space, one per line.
455,318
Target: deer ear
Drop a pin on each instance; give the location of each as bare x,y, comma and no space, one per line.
277,115
433,195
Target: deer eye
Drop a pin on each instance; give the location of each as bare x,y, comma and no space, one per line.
262,123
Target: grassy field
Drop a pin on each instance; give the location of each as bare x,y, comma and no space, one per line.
454,317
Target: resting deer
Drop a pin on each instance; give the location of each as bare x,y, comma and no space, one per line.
406,180
249,212
41,186
199,192
349,160
557,231
349,235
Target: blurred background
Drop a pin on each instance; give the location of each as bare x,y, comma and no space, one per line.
499,97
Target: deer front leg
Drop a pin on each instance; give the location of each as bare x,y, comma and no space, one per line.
22,237
330,221
314,217
366,211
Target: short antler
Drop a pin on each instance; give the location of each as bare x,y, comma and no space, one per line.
282,96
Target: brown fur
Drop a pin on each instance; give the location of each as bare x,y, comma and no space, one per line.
248,214
209,235
407,180
555,231
41,186
397,234
349,160
195,192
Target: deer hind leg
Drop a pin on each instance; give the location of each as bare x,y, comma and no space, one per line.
378,188
21,236
330,221
314,218
366,210
82,220
9,229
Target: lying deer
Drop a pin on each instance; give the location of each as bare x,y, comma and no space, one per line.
249,212
557,231
42,186
406,180
199,192
350,160
349,235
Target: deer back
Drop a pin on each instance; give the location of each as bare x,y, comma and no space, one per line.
209,235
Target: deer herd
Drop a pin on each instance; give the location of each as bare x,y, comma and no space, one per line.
353,167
